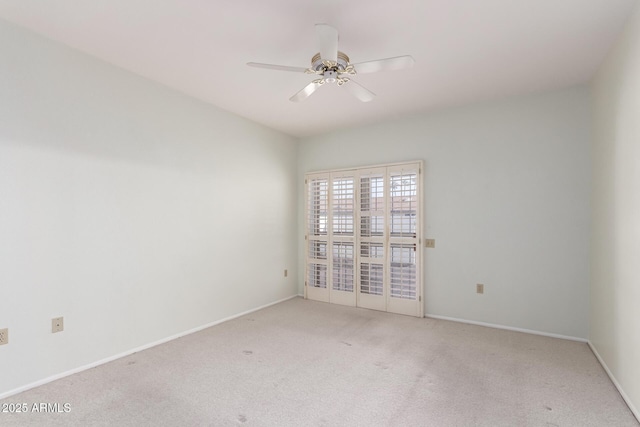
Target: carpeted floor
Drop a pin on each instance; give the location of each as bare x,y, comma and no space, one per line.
304,363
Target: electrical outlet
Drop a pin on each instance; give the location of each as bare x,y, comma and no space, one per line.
4,336
430,243
57,324
286,273
480,288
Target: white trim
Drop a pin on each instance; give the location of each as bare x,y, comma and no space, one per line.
356,168
508,328
135,350
615,382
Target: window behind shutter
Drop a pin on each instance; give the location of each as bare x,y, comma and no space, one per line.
363,228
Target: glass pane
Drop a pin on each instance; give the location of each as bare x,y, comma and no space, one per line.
343,212
371,278
371,250
404,202
318,207
317,249
403,271
371,206
317,275
343,267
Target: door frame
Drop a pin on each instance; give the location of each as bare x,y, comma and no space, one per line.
386,303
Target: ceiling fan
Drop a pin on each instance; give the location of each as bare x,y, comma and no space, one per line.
332,66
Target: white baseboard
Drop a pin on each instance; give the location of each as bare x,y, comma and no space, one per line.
615,382
135,350
508,328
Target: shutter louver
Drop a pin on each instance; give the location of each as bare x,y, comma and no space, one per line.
343,273
342,233
403,270
318,207
371,278
403,198
317,232
317,249
372,230
317,275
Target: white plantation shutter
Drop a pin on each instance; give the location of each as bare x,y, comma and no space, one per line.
371,239
403,270
342,260
317,235
343,195
403,201
403,216
317,275
363,229
342,238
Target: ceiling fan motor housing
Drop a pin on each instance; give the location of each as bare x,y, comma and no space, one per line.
317,63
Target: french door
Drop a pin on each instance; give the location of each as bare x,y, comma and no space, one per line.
362,237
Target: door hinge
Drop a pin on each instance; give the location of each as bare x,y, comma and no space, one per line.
420,298
305,181
305,283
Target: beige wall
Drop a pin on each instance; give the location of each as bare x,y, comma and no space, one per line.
506,196
615,237
135,212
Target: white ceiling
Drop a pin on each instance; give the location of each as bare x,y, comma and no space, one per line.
465,50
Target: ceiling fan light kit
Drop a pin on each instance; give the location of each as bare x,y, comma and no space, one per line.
333,66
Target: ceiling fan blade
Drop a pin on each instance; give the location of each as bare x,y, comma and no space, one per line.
305,92
277,67
389,64
327,42
359,91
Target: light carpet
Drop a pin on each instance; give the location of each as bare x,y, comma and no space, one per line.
304,363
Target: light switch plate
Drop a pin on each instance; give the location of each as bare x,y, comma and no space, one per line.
430,243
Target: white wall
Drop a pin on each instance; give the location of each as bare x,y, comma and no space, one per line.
615,254
506,198
133,211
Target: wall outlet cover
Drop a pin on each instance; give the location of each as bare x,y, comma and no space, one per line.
57,324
